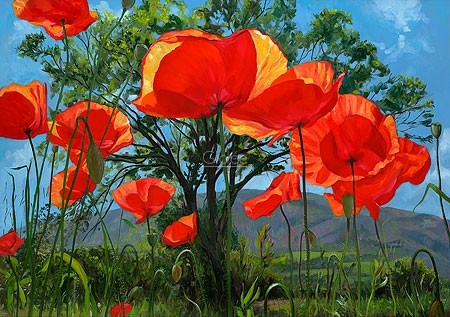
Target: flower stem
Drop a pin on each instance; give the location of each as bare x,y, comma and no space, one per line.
291,255
440,188
152,271
305,218
229,215
358,256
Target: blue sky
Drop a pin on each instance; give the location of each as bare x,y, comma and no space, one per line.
412,37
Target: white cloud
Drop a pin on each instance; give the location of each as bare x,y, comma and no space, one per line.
405,45
21,156
401,12
103,6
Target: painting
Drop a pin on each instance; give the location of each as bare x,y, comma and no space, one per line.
224,158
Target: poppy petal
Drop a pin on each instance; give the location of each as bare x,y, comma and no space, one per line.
333,142
144,197
285,105
110,128
411,164
178,82
50,14
24,110
78,183
181,231
10,243
120,310
285,187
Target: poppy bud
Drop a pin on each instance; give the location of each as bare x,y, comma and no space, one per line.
151,238
437,309
54,148
436,129
127,4
139,51
313,238
347,203
176,272
136,294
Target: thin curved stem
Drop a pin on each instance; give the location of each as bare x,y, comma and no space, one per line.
441,203
291,255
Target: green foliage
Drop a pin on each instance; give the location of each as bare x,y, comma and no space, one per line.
401,275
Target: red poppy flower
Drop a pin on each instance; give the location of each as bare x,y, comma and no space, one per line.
144,197
110,129
24,110
354,131
410,164
297,98
10,243
190,73
285,187
181,231
77,185
50,14
120,310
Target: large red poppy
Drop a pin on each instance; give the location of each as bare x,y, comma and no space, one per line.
285,187
50,14
299,97
354,131
410,164
181,231
10,243
120,310
23,110
190,73
110,129
78,183
144,197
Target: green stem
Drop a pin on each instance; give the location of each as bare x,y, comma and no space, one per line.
305,219
229,215
300,258
358,256
383,250
291,255
440,188
151,296
341,266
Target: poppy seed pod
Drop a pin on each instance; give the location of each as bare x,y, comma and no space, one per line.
436,129
127,4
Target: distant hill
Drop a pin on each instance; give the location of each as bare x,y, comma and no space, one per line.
403,231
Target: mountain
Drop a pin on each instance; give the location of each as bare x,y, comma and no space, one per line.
404,232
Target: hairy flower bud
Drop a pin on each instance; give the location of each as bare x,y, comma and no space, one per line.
176,272
139,51
347,202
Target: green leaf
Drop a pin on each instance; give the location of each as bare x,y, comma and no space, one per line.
95,163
